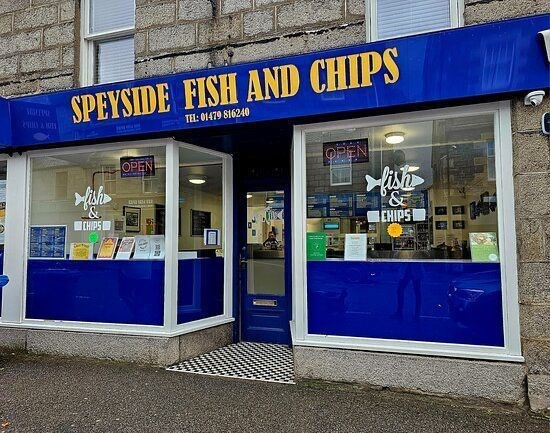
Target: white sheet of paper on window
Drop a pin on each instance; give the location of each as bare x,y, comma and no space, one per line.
157,247
211,237
355,247
142,247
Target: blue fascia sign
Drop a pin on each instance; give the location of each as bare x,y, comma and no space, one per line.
5,123
491,59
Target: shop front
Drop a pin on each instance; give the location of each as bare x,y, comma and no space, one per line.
359,198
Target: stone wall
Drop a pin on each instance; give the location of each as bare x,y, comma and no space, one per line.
37,46
183,35
531,154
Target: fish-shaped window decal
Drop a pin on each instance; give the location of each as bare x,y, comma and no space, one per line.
394,182
91,199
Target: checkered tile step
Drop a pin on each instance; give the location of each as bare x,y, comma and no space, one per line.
253,361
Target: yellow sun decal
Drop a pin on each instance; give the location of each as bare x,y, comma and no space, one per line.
395,230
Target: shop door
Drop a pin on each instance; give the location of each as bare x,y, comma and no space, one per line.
264,267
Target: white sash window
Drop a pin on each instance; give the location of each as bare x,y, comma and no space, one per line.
108,41
396,18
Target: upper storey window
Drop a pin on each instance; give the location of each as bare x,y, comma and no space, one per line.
395,18
108,41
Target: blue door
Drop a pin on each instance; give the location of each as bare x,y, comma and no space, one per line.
264,266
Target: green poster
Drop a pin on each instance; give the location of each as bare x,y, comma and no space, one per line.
484,247
316,246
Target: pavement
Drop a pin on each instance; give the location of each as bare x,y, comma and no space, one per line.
47,394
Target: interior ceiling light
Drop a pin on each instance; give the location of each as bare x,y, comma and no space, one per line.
412,168
248,195
269,201
395,137
196,179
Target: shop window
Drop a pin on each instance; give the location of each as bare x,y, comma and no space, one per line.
107,53
96,239
413,239
200,242
395,18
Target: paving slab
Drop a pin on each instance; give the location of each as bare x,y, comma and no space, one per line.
47,394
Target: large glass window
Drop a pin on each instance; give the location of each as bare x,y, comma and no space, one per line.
408,247
96,241
200,245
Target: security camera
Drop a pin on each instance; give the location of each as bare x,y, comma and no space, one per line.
534,98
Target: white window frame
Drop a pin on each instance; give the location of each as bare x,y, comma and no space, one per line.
338,167
88,41
17,241
456,10
506,234
4,158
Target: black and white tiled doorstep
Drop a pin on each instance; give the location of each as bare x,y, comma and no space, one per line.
252,361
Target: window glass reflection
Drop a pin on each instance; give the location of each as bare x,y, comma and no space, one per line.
423,190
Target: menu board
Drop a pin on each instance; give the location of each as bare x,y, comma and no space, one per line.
317,206
341,205
364,202
200,220
47,242
278,202
417,200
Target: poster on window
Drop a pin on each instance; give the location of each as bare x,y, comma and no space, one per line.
484,247
107,248
316,246
125,248
81,251
355,246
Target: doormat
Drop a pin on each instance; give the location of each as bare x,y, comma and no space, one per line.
251,361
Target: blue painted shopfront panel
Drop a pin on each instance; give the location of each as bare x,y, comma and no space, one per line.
490,59
200,288
5,123
442,302
105,291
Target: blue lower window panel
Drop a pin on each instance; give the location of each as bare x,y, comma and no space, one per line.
200,288
441,302
107,291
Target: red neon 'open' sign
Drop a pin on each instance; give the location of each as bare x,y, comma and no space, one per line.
137,166
341,152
